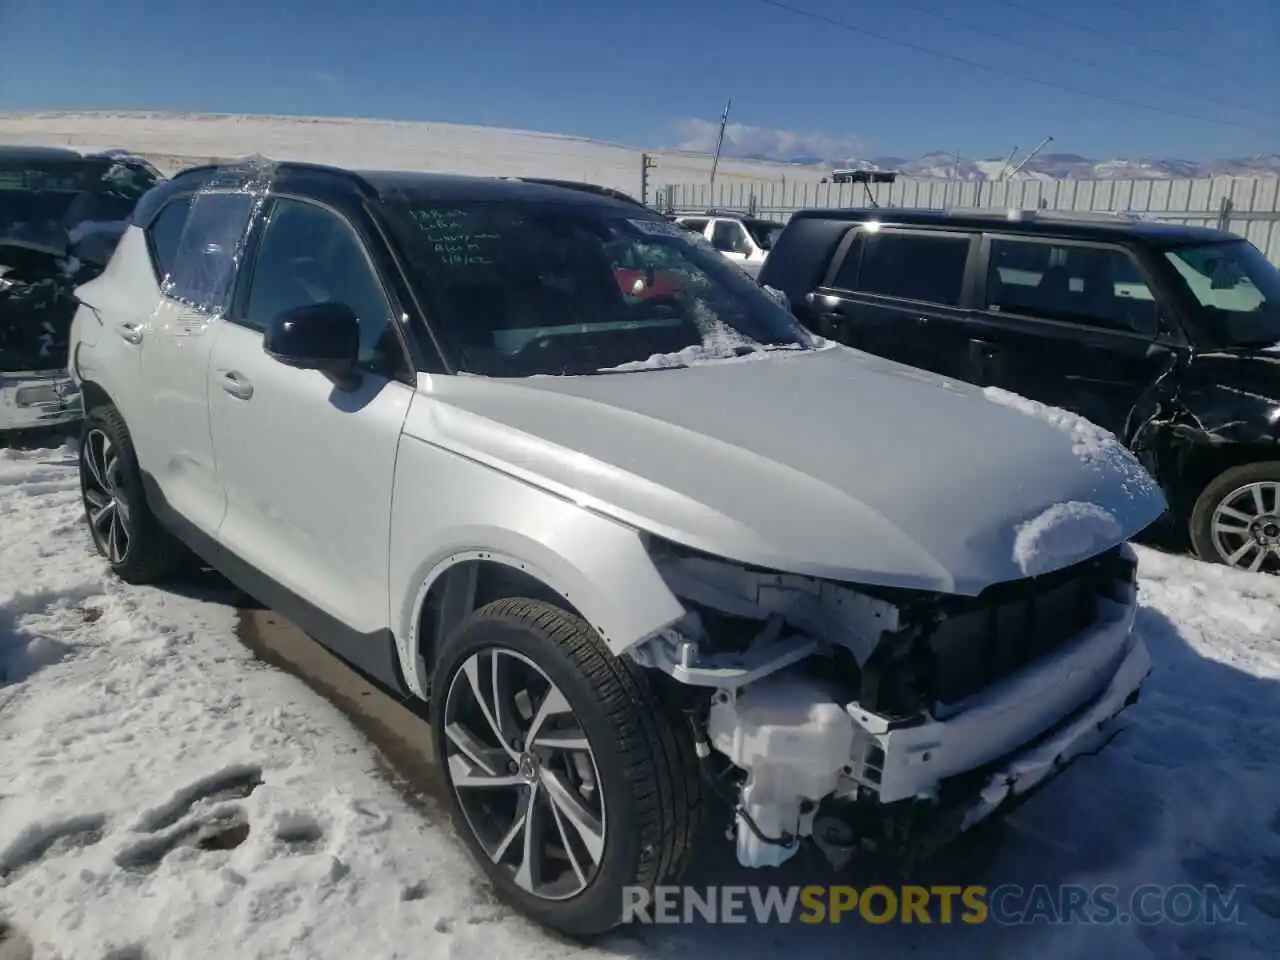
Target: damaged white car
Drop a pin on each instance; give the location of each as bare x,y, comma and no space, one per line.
639,539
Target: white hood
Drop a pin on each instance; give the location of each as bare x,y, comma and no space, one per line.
830,463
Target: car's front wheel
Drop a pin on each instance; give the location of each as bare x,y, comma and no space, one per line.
121,524
570,780
1236,519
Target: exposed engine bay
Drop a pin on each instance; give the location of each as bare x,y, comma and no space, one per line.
888,719
37,304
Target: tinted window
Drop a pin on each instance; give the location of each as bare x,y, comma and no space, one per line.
521,288
208,249
310,255
729,237
1098,286
165,232
1237,288
909,265
697,226
847,274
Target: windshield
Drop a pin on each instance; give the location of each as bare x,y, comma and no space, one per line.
763,232
1238,290
522,288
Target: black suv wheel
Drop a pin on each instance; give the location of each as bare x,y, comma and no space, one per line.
1236,519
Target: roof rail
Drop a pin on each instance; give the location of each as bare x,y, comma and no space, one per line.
1017,214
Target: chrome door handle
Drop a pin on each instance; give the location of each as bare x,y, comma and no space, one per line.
131,332
236,385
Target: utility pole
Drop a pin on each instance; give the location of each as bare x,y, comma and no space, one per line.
647,163
715,161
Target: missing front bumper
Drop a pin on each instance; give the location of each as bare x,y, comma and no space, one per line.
914,830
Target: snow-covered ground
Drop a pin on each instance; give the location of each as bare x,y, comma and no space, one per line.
165,795
173,141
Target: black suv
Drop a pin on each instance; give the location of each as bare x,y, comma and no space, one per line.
1169,336
61,215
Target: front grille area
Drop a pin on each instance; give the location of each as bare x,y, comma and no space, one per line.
958,646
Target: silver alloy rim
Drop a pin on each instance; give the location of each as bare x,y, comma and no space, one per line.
524,774
104,503
1246,527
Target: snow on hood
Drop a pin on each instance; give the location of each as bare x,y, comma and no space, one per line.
1097,448
1062,533
830,463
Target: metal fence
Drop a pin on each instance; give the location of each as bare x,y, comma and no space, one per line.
1248,206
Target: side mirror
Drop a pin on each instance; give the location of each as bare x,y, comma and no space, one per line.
319,336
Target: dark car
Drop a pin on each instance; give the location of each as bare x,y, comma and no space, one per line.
61,215
1166,335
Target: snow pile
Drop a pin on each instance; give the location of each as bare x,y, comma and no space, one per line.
165,795
1096,447
1062,534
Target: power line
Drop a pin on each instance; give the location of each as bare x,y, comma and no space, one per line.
1004,71
1181,56
1149,19
1057,51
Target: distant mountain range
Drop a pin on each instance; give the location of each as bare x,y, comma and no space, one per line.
1047,166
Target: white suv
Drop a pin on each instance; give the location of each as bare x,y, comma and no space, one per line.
541,458
744,240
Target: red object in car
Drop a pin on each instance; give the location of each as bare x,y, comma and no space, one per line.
632,282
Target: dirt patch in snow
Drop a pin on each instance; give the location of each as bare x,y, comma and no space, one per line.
400,731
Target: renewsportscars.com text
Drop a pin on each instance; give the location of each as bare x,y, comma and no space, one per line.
1007,904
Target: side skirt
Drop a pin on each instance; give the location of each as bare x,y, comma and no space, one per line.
373,654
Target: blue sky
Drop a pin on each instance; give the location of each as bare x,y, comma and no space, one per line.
658,73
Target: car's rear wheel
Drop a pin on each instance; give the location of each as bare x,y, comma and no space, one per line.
569,779
1236,519
121,523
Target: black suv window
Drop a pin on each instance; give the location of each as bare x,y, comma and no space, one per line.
311,255
915,266
165,232
1098,286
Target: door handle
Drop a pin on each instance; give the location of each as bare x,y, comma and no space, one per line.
130,332
236,385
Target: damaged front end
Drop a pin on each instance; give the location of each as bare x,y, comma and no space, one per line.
37,305
890,720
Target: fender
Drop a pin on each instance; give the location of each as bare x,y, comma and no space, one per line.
599,565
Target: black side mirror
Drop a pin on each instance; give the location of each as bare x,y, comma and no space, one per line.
319,336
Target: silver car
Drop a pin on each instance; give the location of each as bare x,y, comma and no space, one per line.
658,560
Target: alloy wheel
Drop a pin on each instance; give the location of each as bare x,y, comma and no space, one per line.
524,774
104,502
1246,527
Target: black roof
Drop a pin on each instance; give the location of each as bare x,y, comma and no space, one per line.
382,185
24,154
449,188
1039,222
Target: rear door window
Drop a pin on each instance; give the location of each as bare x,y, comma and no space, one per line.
1090,285
911,266
208,250
165,232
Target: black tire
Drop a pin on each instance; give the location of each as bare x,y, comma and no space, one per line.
1219,489
152,554
643,751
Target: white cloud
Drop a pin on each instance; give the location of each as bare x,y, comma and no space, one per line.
742,138
326,78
